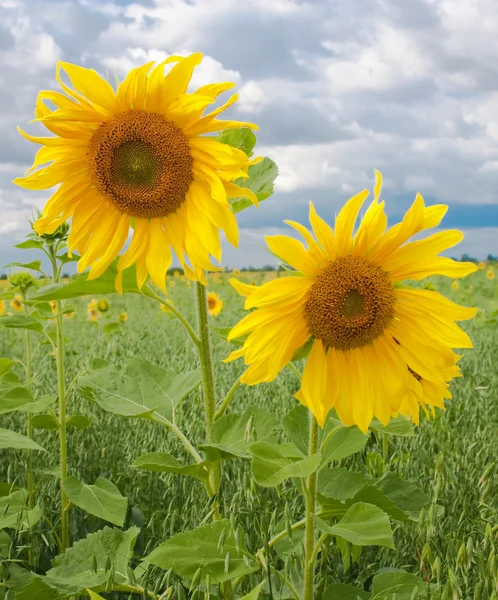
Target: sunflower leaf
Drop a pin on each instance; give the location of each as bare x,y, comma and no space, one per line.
162,462
103,499
404,586
243,139
272,464
11,439
260,181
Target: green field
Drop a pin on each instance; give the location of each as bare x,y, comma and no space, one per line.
451,458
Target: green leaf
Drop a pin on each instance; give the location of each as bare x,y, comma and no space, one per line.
242,138
13,397
28,244
404,494
224,331
296,425
233,434
400,583
65,258
162,462
74,571
80,286
344,591
5,365
270,466
5,542
200,548
260,181
21,322
113,327
254,593
140,390
102,499
34,265
39,405
47,422
339,484
79,422
365,525
303,351
399,426
11,439
343,442
15,513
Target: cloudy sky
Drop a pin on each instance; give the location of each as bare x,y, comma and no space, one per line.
338,87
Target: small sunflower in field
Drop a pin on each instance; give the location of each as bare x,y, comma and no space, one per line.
378,347
482,265
139,155
92,305
235,272
215,304
16,303
176,273
93,315
69,315
2,307
454,285
172,284
490,274
123,317
53,306
165,309
103,305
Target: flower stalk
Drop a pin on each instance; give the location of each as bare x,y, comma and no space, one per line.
309,536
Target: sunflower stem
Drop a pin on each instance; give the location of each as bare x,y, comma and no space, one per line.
59,348
29,383
207,383
309,536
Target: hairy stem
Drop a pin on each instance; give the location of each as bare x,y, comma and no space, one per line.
309,539
59,349
207,382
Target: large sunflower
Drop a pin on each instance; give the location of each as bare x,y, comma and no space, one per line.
136,156
379,348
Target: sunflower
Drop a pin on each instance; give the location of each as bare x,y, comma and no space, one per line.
103,305
165,309
378,348
215,304
490,274
53,306
123,317
92,305
136,156
16,303
93,315
482,265
454,285
235,272
2,307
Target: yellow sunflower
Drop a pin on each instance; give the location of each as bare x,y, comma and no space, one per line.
378,348
53,306
235,272
482,265
2,307
123,317
103,305
454,285
490,274
137,156
16,303
215,304
165,309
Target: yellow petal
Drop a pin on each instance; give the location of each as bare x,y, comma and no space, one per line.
293,253
91,85
344,223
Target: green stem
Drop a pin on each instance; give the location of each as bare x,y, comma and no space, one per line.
204,348
220,411
309,537
31,484
385,449
59,345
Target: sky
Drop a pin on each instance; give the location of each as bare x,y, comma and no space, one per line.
338,88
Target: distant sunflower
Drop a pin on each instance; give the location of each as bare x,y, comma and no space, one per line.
92,305
490,274
454,285
137,156
215,304
378,348
165,309
235,272
16,303
53,306
2,307
123,317
482,265
103,305
93,315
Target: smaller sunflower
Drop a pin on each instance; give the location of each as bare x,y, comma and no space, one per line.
482,265
172,284
165,309
454,285
16,303
93,315
215,304
176,273
103,306
490,274
92,305
2,307
123,317
53,306
235,272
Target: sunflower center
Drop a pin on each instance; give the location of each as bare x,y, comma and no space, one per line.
141,162
211,302
350,304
